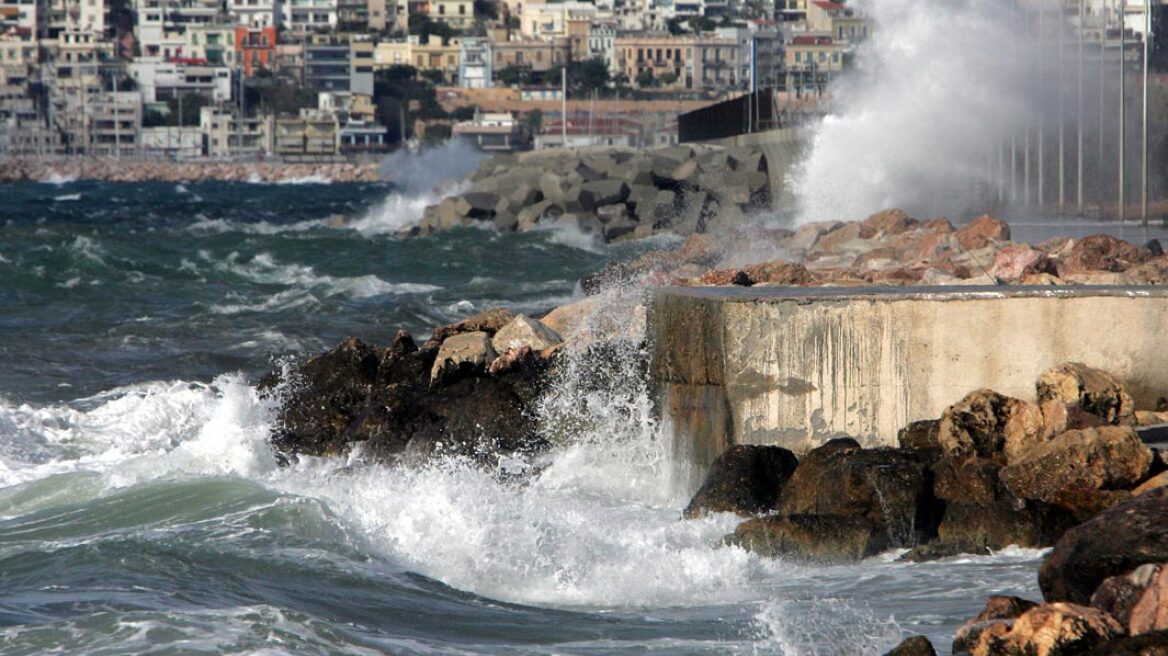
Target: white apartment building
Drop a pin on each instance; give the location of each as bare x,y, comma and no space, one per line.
303,16
549,20
254,14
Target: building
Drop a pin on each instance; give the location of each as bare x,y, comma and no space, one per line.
253,14
304,16
602,44
539,20
327,64
458,14
312,134
438,56
173,143
811,62
474,63
704,61
393,53
115,119
226,134
211,43
493,132
841,22
19,16
161,81
532,56
255,48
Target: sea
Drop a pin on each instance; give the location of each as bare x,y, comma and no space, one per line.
143,512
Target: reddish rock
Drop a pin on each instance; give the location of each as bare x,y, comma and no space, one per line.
1102,253
1013,263
890,222
1150,613
1058,629
941,225
983,231
724,277
848,234
1058,417
778,272
999,609
1118,595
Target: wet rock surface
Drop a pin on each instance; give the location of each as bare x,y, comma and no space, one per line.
745,479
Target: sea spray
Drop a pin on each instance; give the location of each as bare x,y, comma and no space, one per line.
934,93
421,179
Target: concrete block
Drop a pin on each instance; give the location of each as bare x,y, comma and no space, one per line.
619,229
607,192
610,213
524,195
553,187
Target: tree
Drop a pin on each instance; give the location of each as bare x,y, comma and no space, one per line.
590,75
512,75
486,9
466,113
668,78
189,114
534,120
434,75
424,27
645,79
699,24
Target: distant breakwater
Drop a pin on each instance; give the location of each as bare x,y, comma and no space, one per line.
31,169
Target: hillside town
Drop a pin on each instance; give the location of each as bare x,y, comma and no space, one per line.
309,80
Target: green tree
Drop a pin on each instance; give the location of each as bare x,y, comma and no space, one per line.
645,79
590,75
512,75
425,27
434,75
534,120
668,78
466,113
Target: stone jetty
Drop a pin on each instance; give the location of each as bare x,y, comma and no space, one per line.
614,193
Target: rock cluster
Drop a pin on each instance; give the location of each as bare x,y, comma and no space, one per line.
611,193
1105,590
467,391
992,471
110,170
892,249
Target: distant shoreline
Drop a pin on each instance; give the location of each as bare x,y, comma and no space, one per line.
63,169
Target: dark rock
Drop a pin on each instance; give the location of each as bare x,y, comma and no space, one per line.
1154,247
744,479
817,538
606,192
1148,644
921,436
1116,541
913,646
937,550
888,488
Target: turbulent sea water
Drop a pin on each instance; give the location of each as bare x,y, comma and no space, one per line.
141,510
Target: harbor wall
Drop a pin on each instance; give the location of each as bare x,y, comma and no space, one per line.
795,366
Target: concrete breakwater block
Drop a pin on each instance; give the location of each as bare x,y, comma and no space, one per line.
796,367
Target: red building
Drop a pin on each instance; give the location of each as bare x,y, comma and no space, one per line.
256,48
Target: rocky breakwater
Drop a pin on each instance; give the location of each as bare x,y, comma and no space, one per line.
614,194
125,170
467,391
992,471
1069,470
891,248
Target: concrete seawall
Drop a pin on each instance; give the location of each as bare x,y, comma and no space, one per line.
798,366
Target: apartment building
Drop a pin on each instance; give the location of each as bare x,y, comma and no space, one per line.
841,22
685,62
534,56
474,63
458,14
212,43
811,61
255,48
115,119
305,16
254,14
226,134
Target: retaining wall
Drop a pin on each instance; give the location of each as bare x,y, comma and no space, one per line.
796,366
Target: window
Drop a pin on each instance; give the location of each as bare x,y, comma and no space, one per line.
461,10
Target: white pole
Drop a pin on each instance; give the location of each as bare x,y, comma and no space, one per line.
1122,100
1041,112
564,106
1079,150
1144,120
1061,26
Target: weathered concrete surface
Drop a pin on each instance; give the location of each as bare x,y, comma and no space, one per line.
796,366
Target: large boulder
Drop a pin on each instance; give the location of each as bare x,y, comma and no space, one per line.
487,321
1012,264
815,538
981,513
1058,629
988,425
1116,541
888,488
1092,390
1077,462
1150,612
606,192
461,354
744,479
1102,253
983,231
1146,644
524,331
890,222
